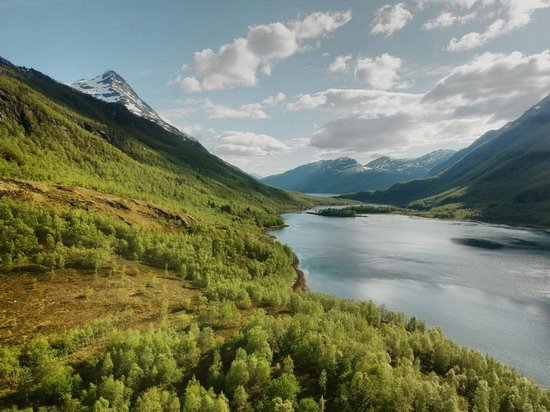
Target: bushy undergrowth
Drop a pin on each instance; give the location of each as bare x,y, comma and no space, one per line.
331,353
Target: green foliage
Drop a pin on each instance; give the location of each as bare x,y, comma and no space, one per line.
54,134
45,377
240,399
198,399
300,351
109,394
308,405
144,360
221,314
353,211
285,387
9,364
157,400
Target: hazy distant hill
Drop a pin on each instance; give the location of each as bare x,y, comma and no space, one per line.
503,176
345,175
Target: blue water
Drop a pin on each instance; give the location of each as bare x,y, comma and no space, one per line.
486,286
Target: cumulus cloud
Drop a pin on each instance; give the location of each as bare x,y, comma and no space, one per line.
274,100
389,19
513,14
320,23
470,99
233,143
340,64
238,63
381,72
498,84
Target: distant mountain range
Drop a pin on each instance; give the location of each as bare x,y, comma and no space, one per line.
503,176
344,175
112,88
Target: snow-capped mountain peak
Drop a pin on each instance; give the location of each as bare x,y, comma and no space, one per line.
111,87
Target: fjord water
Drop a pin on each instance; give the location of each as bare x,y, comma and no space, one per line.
486,286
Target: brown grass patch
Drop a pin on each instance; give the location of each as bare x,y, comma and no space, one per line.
128,210
33,304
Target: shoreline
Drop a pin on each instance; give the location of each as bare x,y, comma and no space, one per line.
425,215
299,284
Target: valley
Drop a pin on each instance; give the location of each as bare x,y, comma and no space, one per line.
138,275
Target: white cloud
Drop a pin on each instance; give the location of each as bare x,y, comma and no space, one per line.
219,111
472,98
308,102
447,19
513,14
320,23
272,41
380,72
246,111
191,129
498,84
237,64
340,64
520,11
233,143
462,4
389,19
274,100
191,84
369,103
474,39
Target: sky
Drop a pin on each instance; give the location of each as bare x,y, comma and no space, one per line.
270,85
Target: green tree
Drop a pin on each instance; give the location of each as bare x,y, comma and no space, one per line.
285,387
240,399
157,400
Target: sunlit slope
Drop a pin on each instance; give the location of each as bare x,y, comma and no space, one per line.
51,133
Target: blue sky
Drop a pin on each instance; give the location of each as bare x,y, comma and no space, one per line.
269,85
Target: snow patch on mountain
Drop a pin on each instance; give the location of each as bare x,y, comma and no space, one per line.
410,166
112,88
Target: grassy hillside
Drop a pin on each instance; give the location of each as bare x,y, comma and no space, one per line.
51,133
136,276
504,176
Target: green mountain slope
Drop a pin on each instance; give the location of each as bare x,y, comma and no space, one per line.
51,133
346,175
504,176
136,275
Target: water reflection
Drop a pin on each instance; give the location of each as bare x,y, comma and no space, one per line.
487,286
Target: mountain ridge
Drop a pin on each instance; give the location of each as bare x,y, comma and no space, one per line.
503,176
111,87
345,174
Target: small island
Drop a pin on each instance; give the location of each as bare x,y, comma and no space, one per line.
353,211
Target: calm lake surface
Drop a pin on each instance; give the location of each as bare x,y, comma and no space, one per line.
487,286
